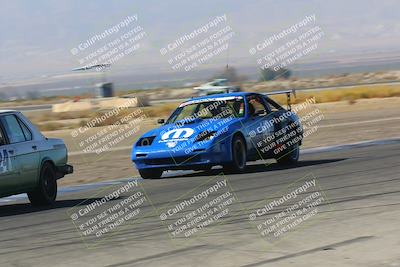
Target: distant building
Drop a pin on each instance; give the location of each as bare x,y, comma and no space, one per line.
105,90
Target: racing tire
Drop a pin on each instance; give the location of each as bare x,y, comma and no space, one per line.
290,158
46,192
150,173
239,156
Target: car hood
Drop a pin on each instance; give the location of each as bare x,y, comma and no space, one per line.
169,135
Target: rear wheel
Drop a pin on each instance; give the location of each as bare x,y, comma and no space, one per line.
150,173
291,157
46,192
238,163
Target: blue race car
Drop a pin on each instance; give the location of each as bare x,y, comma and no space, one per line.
222,129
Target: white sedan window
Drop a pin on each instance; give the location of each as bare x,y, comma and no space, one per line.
13,129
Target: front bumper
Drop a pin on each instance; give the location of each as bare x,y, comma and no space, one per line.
165,160
64,170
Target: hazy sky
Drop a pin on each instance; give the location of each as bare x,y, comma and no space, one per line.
37,36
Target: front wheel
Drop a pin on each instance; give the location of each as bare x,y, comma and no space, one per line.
46,191
291,157
238,163
150,173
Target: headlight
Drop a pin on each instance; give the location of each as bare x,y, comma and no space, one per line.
205,135
145,141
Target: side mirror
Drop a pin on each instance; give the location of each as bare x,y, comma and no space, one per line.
160,121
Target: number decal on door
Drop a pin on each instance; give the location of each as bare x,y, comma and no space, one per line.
5,162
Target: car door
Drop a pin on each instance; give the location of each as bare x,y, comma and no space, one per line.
283,126
9,167
26,149
258,127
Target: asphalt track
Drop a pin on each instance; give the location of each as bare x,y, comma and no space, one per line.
357,225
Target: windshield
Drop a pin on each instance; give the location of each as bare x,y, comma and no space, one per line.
208,109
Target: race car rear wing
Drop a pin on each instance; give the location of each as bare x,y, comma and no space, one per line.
287,92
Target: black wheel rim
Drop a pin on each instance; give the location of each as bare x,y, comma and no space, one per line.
49,183
240,157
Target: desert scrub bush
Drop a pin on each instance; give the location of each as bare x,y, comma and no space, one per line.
160,111
53,116
51,126
345,94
